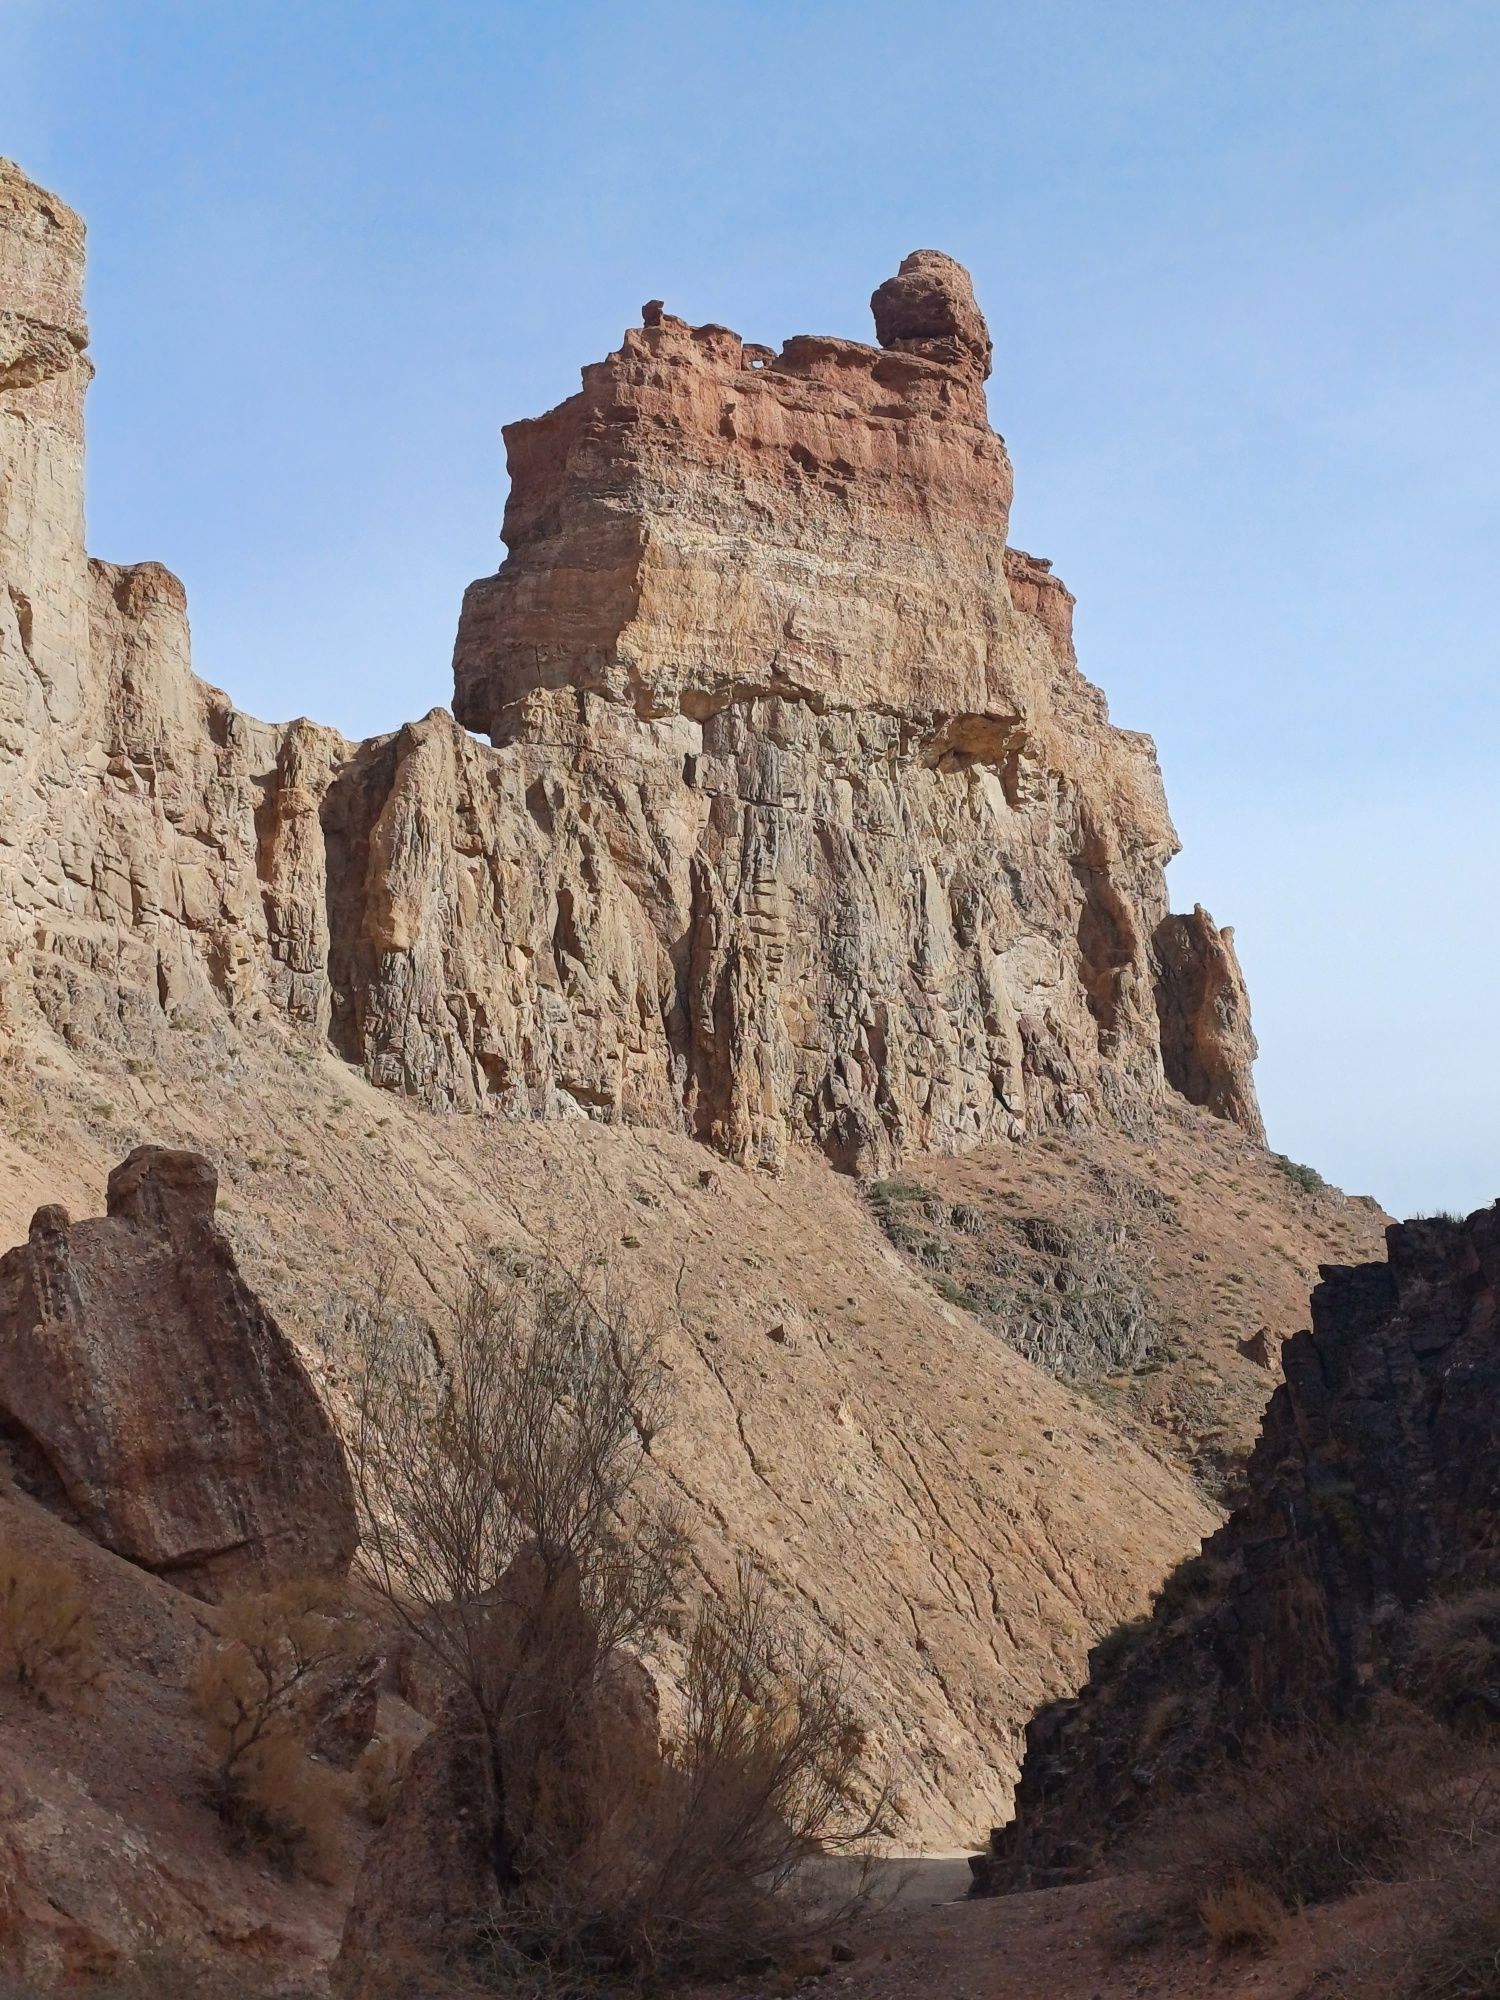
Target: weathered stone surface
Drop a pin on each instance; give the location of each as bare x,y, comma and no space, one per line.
929,308
428,1885
800,825
1207,1045
144,1388
1375,1487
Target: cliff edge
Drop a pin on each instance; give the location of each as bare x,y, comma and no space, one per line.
799,824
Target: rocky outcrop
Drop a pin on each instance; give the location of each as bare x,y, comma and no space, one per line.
929,308
1207,1046
145,1392
1374,1490
912,874
799,825
427,1891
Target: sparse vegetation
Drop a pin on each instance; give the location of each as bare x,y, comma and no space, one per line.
1306,1180
1071,1296
1307,1819
49,1645
1108,1654
1194,1581
1449,1946
1241,1914
500,1471
259,1686
161,1972
1453,1658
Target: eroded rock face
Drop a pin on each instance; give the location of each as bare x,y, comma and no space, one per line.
929,308
800,824
428,1886
1374,1488
1207,1045
145,1391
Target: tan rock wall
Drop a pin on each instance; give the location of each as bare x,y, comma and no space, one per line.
800,825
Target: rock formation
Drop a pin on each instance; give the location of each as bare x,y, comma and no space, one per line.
1374,1489
665,902
427,1890
800,824
144,1390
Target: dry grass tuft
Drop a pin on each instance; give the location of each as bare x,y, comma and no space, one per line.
48,1638
1453,1658
1451,1951
1242,1915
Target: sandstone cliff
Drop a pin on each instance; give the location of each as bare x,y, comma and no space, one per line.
681,895
1374,1490
800,823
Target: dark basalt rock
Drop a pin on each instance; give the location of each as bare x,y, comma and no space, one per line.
1374,1488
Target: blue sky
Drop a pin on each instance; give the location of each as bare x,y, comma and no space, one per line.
1240,267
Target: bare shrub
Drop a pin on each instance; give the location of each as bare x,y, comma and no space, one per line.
526,1432
724,1855
1449,1949
499,1472
1441,1938
259,1686
766,1779
48,1638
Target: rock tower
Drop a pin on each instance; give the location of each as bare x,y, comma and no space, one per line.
798,823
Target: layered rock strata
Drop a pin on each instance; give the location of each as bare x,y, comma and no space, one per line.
147,1395
1374,1491
800,823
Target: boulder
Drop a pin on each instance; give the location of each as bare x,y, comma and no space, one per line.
428,1886
146,1391
929,307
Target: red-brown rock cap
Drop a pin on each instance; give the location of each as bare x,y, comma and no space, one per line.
930,304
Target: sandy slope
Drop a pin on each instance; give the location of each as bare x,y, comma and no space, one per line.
965,1523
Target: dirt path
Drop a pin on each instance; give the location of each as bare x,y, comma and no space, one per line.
1052,1944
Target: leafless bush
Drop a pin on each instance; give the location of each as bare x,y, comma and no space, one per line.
720,1857
499,1472
1449,1946
523,1430
1440,1935
497,1469
48,1638
259,1685
1453,1657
